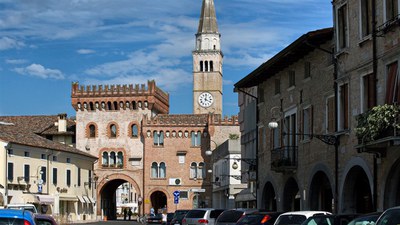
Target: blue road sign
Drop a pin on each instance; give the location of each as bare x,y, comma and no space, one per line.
176,200
177,193
40,188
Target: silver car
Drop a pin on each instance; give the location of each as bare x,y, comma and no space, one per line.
201,216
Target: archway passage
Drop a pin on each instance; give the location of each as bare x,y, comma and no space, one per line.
357,197
291,196
392,187
158,201
321,195
269,197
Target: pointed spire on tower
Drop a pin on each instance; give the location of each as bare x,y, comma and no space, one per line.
208,19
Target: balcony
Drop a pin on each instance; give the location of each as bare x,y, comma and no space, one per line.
378,129
284,159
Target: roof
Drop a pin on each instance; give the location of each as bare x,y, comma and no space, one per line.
27,130
289,55
208,19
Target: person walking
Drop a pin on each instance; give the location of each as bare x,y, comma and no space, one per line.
164,217
129,213
125,212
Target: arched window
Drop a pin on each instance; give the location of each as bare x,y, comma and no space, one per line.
193,170
112,159
154,170
91,107
163,170
92,131
201,171
158,137
196,138
120,159
134,130
211,66
134,107
206,66
109,106
201,66
105,159
113,130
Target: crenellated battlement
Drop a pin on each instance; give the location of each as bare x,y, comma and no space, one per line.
217,119
117,97
176,120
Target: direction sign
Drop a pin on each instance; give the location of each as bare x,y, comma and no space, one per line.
176,200
177,193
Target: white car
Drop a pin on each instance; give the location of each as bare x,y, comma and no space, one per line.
29,207
297,217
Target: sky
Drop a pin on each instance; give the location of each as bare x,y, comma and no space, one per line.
45,45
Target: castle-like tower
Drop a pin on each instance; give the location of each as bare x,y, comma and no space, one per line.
207,63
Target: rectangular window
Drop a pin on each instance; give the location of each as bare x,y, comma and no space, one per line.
89,179
68,160
10,171
27,173
55,176
368,92
183,195
330,108
261,94
276,137
55,158
43,174
68,178
307,123
43,156
366,17
292,78
158,138
307,70
392,83
392,9
342,28
79,177
196,139
277,86
290,129
26,154
344,106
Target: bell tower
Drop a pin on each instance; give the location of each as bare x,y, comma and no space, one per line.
207,63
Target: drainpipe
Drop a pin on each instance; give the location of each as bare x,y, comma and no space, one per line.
375,70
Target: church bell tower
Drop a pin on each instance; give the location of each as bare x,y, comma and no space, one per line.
207,63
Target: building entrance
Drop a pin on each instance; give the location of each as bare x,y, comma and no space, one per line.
158,201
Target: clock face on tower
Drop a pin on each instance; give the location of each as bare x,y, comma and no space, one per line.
205,99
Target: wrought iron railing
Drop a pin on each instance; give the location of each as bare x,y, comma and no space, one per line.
284,158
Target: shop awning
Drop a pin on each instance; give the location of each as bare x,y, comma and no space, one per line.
245,195
45,199
81,199
70,198
86,199
92,200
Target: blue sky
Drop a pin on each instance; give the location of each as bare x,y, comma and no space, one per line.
45,45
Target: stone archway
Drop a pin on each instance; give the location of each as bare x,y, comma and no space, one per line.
321,194
291,196
269,197
158,201
392,187
106,194
356,194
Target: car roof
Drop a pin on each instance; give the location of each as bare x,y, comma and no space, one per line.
306,213
17,213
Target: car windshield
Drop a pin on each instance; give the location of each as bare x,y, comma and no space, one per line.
290,220
14,221
230,216
196,214
391,217
251,219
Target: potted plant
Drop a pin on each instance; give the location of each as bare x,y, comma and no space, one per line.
380,121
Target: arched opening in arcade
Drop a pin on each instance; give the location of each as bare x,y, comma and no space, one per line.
291,196
158,201
392,187
269,197
321,195
117,194
357,195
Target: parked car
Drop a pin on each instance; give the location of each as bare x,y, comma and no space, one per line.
201,216
169,218
157,218
259,218
298,217
231,216
17,217
338,219
178,216
30,207
369,218
44,219
390,216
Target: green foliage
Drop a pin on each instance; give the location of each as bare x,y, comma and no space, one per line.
377,121
233,136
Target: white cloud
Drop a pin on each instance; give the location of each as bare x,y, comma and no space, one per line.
16,61
40,71
85,51
9,43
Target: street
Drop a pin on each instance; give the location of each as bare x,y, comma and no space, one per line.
110,222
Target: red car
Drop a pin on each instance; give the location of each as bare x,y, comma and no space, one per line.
43,219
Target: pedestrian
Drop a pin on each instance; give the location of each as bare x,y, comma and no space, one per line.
125,212
164,218
129,213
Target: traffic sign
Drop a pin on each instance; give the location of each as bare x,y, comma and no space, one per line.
177,193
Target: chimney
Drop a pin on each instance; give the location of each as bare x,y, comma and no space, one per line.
62,122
